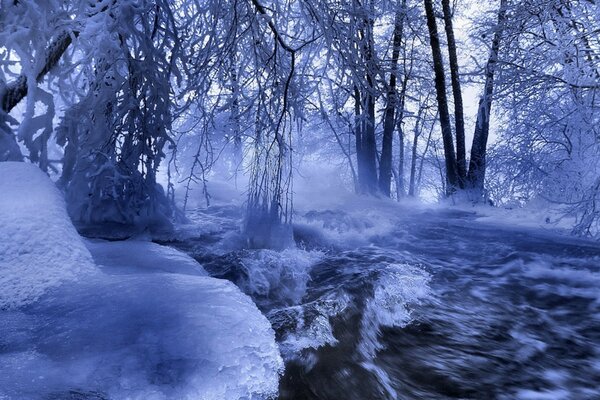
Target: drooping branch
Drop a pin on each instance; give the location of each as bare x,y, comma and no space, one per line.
17,89
269,207
262,10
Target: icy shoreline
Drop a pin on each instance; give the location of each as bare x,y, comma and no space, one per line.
127,319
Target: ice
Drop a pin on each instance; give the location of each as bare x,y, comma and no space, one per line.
144,323
140,336
134,256
39,247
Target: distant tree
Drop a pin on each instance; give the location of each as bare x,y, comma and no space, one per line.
452,175
389,123
477,165
459,119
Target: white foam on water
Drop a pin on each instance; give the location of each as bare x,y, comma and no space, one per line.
278,275
398,289
313,324
565,278
527,394
346,229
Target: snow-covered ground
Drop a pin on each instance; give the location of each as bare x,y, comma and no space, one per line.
39,247
121,320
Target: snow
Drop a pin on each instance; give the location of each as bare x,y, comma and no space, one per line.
144,323
133,256
39,247
536,215
140,336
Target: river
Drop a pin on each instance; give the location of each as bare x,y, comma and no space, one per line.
434,305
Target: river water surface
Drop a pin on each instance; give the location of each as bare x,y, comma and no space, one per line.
418,305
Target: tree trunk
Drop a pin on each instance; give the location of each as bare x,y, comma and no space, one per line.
400,187
413,161
385,166
418,188
476,175
358,133
442,100
369,143
459,119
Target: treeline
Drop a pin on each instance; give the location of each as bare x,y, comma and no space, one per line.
130,81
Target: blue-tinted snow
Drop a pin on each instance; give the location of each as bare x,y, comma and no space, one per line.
39,247
145,323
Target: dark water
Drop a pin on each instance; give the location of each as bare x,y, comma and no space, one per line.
433,306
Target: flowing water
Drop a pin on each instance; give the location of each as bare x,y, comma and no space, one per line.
421,305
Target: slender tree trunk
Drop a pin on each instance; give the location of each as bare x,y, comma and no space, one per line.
358,133
400,187
459,119
418,188
442,100
346,148
477,164
369,143
385,166
413,161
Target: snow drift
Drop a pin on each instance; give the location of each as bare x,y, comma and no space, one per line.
144,323
39,247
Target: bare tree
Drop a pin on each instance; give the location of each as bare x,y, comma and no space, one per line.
452,176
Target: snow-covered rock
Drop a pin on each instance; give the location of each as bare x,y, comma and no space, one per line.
142,322
39,247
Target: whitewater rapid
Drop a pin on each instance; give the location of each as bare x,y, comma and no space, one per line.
383,304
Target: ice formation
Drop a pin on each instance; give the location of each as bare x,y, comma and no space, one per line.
145,323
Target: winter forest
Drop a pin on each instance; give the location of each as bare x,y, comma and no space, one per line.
299,199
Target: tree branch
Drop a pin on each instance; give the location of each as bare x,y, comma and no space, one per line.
17,89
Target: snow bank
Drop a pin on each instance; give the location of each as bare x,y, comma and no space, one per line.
39,247
144,323
537,214
140,336
131,256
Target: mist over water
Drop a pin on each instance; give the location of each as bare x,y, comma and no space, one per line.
388,302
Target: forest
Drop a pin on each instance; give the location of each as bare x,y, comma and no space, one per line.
299,199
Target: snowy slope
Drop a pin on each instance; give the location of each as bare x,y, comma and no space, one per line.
144,323
39,247
132,256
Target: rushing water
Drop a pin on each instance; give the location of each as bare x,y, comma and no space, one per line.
424,305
